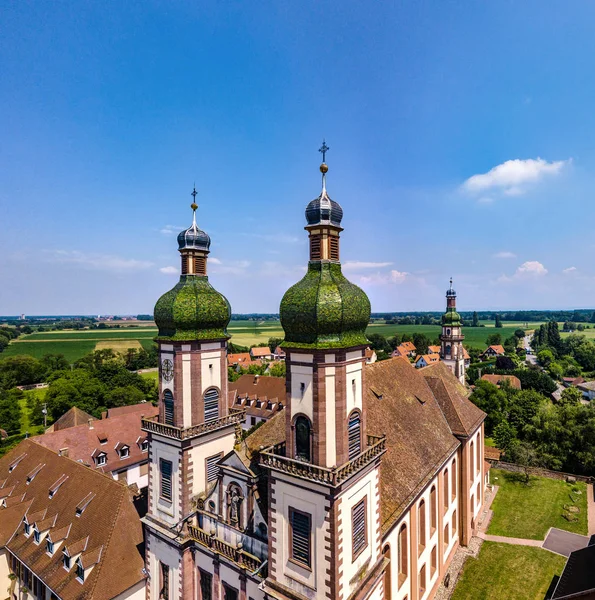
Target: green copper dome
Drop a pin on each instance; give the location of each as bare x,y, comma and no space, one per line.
324,310
192,310
451,317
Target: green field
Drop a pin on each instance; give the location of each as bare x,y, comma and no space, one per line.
76,343
505,571
528,511
26,427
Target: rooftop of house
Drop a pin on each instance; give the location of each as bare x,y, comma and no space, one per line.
260,351
409,346
492,453
118,411
421,411
428,358
497,348
260,395
588,386
433,349
243,359
71,418
497,380
578,577
85,512
573,380
85,443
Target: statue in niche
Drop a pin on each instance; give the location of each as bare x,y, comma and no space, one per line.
234,502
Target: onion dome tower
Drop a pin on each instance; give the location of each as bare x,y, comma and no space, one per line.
327,454
451,338
193,309
324,309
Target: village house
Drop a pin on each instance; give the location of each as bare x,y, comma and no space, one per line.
588,389
115,444
242,359
260,396
279,353
71,418
513,381
425,360
492,352
261,353
433,349
66,531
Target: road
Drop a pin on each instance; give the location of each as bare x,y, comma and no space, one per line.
531,358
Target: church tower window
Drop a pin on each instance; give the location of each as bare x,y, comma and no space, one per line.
300,524
211,404
355,435
302,438
168,403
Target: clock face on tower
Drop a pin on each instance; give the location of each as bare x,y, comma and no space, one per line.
167,369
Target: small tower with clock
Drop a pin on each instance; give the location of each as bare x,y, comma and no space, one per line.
451,338
194,428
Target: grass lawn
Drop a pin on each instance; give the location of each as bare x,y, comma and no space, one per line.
528,511
25,424
506,571
154,375
71,350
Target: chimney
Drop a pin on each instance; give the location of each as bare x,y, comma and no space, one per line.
256,379
63,452
90,421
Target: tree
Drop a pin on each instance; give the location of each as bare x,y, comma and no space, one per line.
555,370
123,396
378,342
534,379
10,410
494,339
571,395
519,334
524,454
492,401
505,363
20,370
277,369
592,320
421,343
504,435
475,321
498,321
523,407
274,342
545,357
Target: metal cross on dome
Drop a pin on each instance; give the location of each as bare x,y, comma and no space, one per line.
324,149
194,193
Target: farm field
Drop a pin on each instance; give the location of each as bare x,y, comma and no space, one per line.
75,344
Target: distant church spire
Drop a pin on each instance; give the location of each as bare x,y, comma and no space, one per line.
323,167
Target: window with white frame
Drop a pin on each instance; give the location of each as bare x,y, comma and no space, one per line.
101,459
124,452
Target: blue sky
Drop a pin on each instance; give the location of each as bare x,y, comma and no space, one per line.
461,138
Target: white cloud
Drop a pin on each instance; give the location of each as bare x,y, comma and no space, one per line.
355,265
513,177
504,254
169,270
171,230
99,262
214,261
531,268
392,276
569,270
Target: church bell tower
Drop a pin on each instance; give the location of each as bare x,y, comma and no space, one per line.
324,539
451,339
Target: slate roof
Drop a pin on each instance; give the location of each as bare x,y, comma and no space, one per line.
84,442
71,418
108,532
578,577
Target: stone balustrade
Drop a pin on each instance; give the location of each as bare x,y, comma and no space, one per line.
184,433
275,458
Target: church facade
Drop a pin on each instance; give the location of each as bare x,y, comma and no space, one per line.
362,487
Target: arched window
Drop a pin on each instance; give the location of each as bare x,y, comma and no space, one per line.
478,456
211,404
421,519
454,523
433,561
433,511
453,487
354,428
471,461
403,557
447,349
168,403
446,538
387,573
302,438
445,494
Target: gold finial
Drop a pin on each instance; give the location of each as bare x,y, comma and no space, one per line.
324,168
194,206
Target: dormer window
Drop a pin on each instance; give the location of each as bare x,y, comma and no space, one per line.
27,528
145,446
36,535
80,572
66,561
49,547
124,452
101,459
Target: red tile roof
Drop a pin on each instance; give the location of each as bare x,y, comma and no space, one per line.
433,349
260,352
514,381
84,442
243,359
250,390
71,418
109,522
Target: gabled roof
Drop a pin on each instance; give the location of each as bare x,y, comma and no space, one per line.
428,358
433,349
71,418
578,577
84,442
498,349
109,520
260,351
400,404
513,380
462,415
